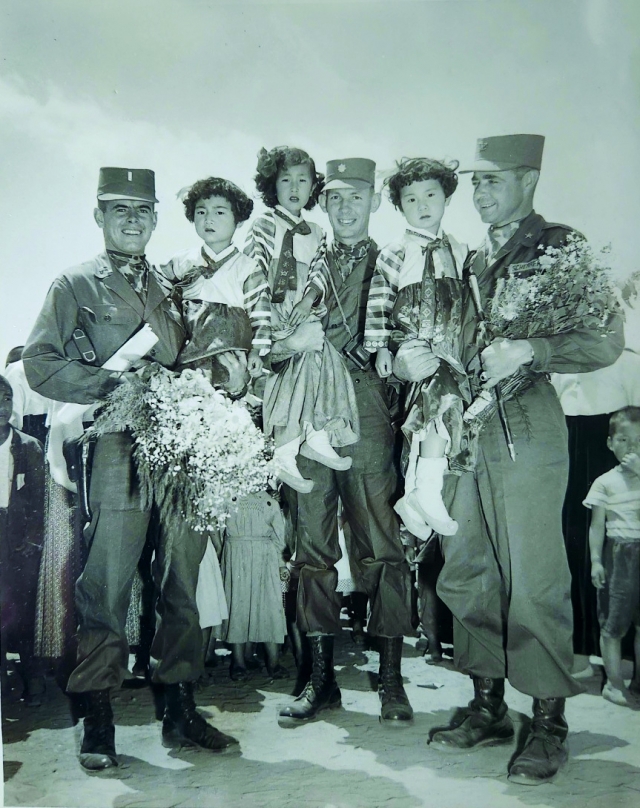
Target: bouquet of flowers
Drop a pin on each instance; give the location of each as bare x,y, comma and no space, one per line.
563,289
195,449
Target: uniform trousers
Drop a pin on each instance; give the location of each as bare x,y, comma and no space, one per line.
116,537
373,543
506,577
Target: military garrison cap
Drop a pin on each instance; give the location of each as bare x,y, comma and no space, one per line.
127,183
352,172
507,152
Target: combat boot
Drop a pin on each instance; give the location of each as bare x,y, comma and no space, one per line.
484,722
395,708
183,725
545,750
321,691
98,750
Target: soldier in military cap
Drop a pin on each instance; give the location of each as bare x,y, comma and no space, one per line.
90,312
341,276
506,577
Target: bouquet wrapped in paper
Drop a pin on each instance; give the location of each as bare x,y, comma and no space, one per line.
195,448
564,289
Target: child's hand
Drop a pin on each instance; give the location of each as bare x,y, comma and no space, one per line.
254,363
384,363
598,575
631,462
302,310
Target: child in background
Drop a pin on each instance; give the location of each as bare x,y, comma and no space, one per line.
251,560
21,534
309,404
416,295
614,542
216,281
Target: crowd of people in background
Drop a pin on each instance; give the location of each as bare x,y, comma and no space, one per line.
413,442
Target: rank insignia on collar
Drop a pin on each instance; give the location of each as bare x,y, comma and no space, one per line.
482,145
342,168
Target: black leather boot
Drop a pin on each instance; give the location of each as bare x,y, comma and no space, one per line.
183,725
484,722
98,750
395,708
545,751
321,691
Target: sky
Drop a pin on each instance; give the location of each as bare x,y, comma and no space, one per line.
192,88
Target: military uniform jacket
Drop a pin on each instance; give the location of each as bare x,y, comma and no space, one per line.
100,301
352,291
577,351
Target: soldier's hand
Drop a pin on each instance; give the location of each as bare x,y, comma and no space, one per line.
502,359
415,361
308,336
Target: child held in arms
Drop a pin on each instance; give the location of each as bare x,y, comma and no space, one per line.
416,298
614,542
309,403
217,282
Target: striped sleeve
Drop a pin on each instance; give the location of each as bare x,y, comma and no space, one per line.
382,296
257,304
261,242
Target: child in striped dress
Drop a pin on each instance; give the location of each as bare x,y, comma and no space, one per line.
218,282
416,295
309,402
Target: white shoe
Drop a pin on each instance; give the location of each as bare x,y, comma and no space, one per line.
411,519
426,498
286,469
317,447
612,694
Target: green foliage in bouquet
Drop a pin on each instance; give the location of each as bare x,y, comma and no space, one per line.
195,449
563,289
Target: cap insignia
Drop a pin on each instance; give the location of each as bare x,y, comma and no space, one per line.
482,145
130,176
342,168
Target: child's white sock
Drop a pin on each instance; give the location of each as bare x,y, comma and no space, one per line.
284,462
426,498
316,447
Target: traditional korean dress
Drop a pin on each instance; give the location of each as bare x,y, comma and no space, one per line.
416,293
313,387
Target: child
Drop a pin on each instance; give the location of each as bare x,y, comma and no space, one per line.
309,404
614,542
416,294
216,281
21,529
251,562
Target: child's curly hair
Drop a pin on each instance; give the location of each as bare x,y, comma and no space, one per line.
417,169
240,203
271,163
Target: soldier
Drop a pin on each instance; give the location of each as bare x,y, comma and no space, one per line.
90,312
341,277
506,577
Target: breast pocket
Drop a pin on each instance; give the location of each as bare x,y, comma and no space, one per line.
108,314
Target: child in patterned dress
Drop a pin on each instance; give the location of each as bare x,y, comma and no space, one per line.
216,281
614,542
309,402
416,298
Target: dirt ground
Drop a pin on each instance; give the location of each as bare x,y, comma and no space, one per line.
345,760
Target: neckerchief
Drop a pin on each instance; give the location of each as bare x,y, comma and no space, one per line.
437,283
497,237
286,276
347,257
135,268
